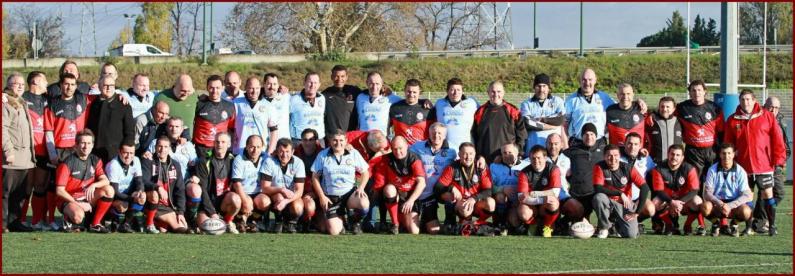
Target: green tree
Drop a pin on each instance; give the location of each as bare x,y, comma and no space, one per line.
779,23
153,26
6,37
703,33
672,35
124,37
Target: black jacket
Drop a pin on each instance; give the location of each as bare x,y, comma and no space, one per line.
583,159
169,172
112,124
215,179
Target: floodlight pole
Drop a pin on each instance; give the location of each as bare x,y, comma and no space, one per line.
581,54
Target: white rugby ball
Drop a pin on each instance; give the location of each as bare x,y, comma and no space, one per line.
581,230
213,226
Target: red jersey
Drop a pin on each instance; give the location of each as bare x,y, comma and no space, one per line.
401,173
76,174
455,176
700,123
36,106
210,119
67,117
617,180
358,140
622,122
411,121
676,183
531,180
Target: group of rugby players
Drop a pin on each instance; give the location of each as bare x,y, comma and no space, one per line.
135,160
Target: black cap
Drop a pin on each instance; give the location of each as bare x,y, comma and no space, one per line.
588,127
541,78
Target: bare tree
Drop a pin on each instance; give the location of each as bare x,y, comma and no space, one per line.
184,21
49,29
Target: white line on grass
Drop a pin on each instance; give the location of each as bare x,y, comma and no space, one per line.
657,268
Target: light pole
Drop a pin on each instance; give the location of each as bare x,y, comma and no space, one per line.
581,54
129,18
535,38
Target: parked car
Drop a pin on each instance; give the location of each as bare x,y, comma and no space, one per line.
245,52
137,50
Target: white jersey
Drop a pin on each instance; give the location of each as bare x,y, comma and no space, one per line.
280,113
256,120
303,115
117,173
458,119
374,113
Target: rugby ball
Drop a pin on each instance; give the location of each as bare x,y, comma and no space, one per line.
213,226
581,230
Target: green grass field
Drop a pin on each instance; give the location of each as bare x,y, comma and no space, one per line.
370,253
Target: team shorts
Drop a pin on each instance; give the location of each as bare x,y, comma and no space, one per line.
42,162
337,207
428,209
763,181
402,197
164,210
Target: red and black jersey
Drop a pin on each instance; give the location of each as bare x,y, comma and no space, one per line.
66,117
530,180
358,140
401,173
411,121
675,183
455,176
212,118
76,174
215,177
497,125
622,122
701,124
36,106
617,180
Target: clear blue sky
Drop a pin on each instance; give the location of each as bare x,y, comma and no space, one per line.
557,26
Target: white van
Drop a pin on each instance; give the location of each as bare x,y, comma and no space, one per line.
136,50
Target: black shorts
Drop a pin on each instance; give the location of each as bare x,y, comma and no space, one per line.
42,162
164,210
428,209
337,207
62,207
763,181
402,197
701,158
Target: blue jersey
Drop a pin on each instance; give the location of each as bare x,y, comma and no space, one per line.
249,121
246,172
374,113
433,162
458,119
579,112
564,165
303,115
643,165
534,110
123,176
727,185
338,176
284,178
279,107
184,154
142,105
503,176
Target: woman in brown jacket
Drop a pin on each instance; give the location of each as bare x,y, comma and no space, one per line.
18,156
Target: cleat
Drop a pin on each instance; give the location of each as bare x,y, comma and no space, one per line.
262,226
394,229
602,233
98,228
687,231
17,226
232,228
356,228
700,231
291,228
277,228
151,229
772,231
747,232
54,227
735,230
715,230
547,232
125,228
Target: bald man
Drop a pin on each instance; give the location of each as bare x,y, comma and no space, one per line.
400,176
149,126
181,99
